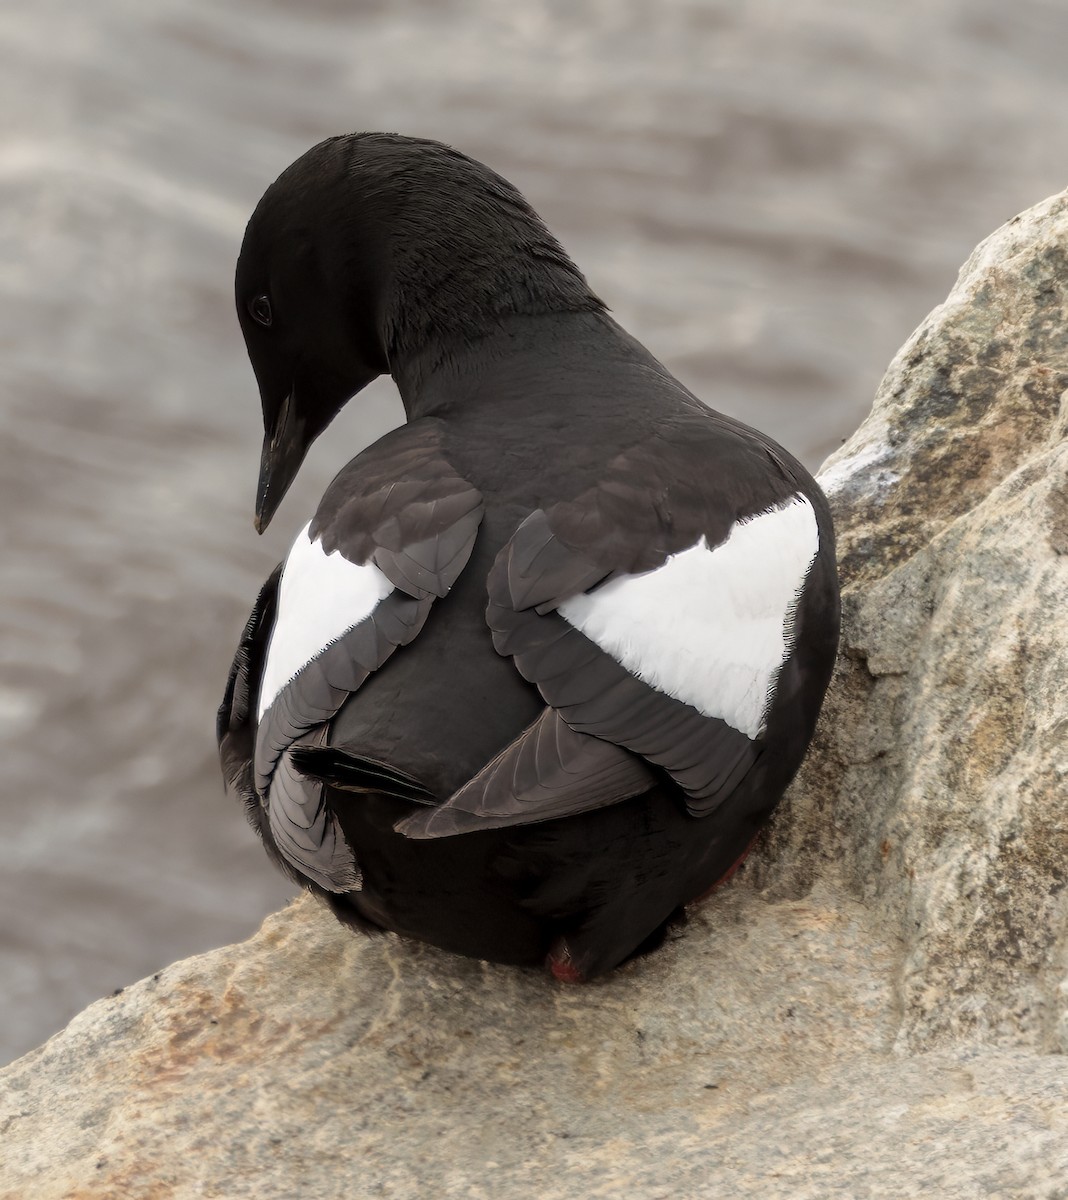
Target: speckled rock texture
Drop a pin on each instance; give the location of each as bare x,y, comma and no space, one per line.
750,1057
877,1006
938,792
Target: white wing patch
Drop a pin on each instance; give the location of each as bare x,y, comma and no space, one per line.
320,597
712,626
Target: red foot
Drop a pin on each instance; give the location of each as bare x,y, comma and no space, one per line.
562,965
725,878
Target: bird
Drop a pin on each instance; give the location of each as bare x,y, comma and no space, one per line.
540,666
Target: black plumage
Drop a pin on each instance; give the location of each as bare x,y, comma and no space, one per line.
444,752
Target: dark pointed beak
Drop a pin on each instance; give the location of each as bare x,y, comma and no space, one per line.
284,448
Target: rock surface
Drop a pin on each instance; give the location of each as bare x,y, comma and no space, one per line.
938,792
749,1058
877,1006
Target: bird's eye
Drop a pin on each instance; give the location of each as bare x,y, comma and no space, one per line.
260,310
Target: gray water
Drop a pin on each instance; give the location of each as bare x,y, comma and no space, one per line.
771,195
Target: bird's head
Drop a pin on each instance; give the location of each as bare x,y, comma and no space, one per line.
307,288
370,251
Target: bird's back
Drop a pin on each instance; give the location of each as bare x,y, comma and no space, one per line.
539,422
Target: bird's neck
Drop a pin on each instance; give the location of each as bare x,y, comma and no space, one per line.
524,361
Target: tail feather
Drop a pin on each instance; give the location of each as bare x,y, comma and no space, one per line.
350,773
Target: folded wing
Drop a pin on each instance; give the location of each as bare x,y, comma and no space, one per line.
392,535
656,642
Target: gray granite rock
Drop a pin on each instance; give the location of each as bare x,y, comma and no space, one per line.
938,792
876,1006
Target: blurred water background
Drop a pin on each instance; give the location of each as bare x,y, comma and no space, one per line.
770,194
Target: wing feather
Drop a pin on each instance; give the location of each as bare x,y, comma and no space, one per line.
401,515
549,771
620,723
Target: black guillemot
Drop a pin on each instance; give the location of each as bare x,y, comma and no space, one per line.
546,657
